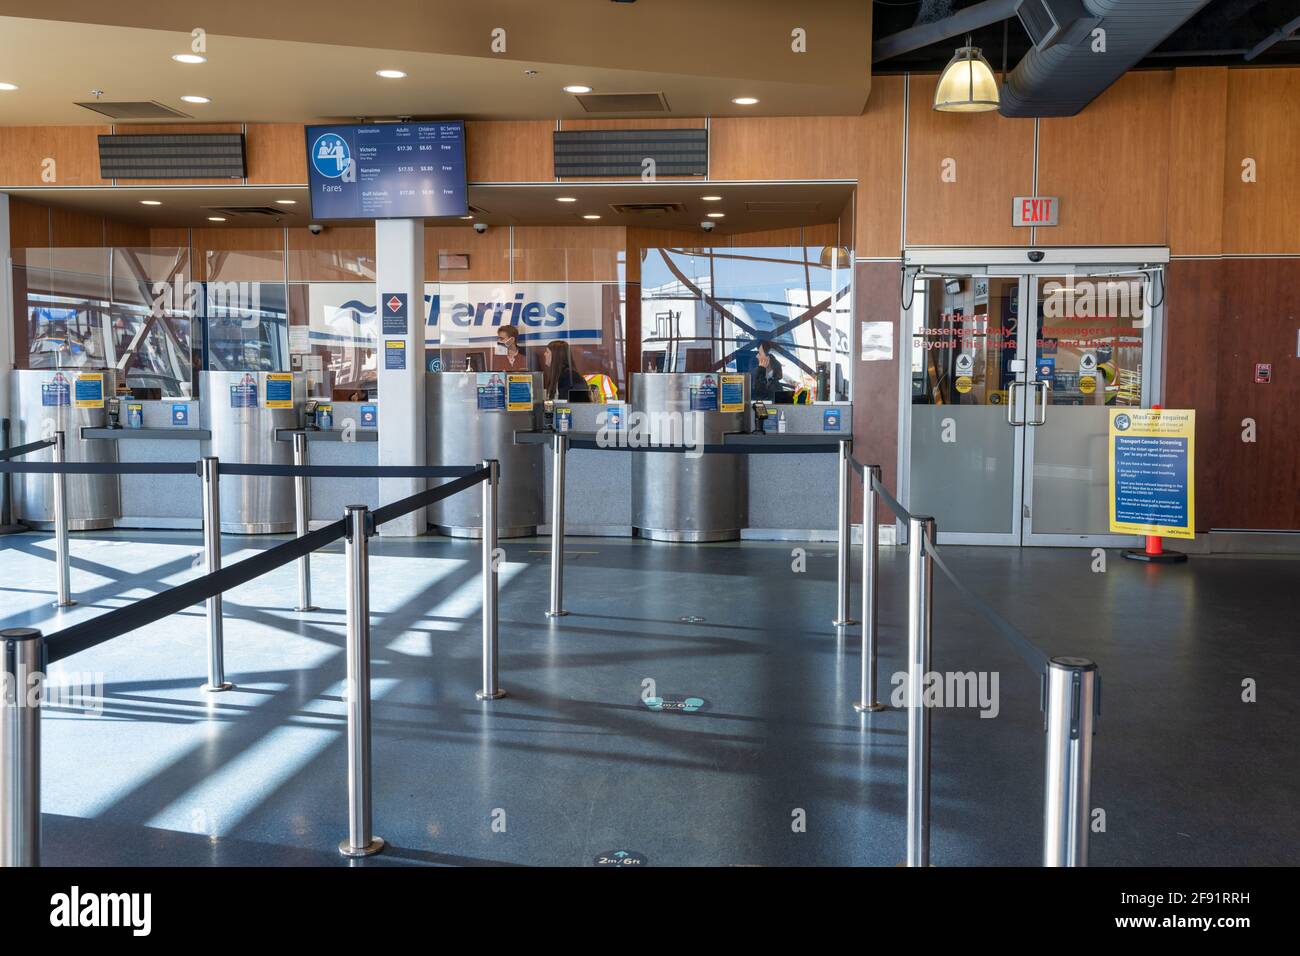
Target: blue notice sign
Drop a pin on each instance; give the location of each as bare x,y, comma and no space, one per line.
704,397
394,313
278,390
394,353
387,170
1151,480
181,415
369,416
831,420
55,395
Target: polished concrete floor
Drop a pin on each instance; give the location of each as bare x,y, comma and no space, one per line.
774,768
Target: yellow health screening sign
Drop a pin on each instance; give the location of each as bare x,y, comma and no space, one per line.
1152,482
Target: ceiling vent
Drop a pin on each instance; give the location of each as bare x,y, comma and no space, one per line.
800,208
268,212
148,110
1047,21
623,102
647,208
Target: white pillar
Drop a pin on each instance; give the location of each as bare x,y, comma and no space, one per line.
399,270
6,307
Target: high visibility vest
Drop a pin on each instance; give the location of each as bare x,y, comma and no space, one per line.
602,387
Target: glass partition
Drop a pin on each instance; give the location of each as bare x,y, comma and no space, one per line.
709,309
124,309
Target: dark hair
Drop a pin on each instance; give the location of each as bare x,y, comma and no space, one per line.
511,330
765,345
560,369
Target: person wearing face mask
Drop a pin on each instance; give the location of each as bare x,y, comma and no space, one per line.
509,357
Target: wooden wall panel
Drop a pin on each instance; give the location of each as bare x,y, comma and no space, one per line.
574,253
29,224
238,255
180,129
1262,216
1198,115
277,153
70,229
168,238
329,256
489,253
1109,165
875,384
509,151
748,148
74,149
125,234
994,161
684,122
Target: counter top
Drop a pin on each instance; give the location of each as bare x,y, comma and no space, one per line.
152,434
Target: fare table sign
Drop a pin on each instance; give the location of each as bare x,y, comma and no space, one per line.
1152,484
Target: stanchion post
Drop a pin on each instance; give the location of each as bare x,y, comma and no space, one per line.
361,840
20,748
61,525
490,690
870,594
920,591
300,504
212,551
1070,705
842,618
560,448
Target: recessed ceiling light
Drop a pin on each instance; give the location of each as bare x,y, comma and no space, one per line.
7,86
745,100
150,202
711,198
566,198
391,74
591,215
287,202
466,217
716,215
577,89
189,58
216,219
196,99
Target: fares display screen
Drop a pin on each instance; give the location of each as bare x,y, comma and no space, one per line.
387,170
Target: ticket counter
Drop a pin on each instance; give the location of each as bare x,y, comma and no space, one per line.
471,416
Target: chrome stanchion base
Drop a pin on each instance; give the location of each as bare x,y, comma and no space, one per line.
63,603
849,623
490,695
309,607
223,686
356,852
556,613
862,708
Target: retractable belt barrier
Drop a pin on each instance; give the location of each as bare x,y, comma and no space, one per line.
15,452
230,468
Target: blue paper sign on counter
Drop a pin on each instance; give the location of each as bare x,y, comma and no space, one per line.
244,395
55,395
369,416
704,397
181,415
394,313
831,420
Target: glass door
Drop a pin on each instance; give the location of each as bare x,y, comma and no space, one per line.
1091,351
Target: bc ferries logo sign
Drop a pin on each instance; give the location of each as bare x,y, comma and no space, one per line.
330,155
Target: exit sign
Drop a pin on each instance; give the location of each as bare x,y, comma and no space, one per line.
1035,210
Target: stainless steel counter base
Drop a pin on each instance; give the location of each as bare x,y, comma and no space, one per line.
675,497
477,533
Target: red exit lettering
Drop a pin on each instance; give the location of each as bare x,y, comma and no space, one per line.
1036,210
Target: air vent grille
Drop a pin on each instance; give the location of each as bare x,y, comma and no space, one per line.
626,152
270,212
172,156
623,102
647,208
145,110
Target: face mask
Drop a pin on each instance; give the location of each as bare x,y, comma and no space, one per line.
501,348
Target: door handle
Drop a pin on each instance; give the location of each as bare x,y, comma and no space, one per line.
1040,407
1011,403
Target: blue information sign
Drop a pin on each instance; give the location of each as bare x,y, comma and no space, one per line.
704,398
181,415
55,395
394,313
387,170
369,416
831,420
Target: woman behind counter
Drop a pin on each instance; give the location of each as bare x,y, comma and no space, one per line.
558,376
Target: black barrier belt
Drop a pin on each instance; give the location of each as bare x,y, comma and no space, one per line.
817,449
347,471
24,449
890,500
88,634
1029,653
860,468
101,467
423,498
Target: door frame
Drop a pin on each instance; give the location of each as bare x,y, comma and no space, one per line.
935,262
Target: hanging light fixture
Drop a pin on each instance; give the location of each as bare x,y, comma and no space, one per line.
967,84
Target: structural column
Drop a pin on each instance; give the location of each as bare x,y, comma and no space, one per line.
399,293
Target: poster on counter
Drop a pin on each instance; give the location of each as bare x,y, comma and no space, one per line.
491,392
704,396
1152,482
519,393
88,391
244,395
181,415
733,393
279,390
56,393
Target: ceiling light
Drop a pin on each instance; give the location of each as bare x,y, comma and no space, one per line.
590,215
466,217
287,202
566,198
967,84
196,99
7,86
711,198
577,89
716,215
189,58
216,219
745,100
150,202
391,74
